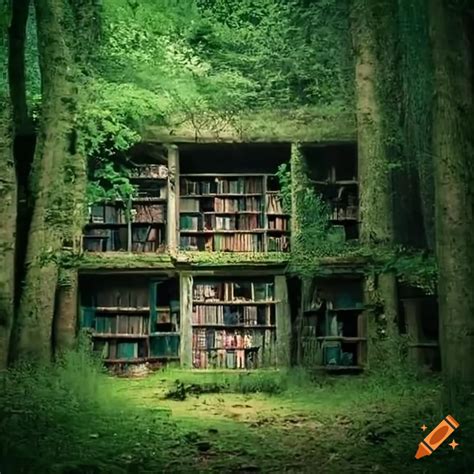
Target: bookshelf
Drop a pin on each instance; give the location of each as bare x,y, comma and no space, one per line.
233,323
334,333
232,213
131,321
334,173
136,226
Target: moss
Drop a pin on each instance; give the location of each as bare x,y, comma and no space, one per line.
125,260
232,258
303,125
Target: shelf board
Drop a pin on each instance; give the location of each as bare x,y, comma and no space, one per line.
105,224
342,339
338,310
207,349
225,175
235,326
117,309
255,231
148,178
148,223
340,367
158,333
340,182
137,360
119,336
234,303
224,195
232,213
150,199
424,345
228,213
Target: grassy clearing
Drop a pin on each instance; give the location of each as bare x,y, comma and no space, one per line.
73,418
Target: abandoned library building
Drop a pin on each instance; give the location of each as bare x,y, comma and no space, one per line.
195,266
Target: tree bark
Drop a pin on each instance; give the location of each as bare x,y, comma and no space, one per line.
454,193
52,176
65,318
417,87
8,191
16,67
375,181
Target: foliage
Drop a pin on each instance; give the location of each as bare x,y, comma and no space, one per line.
109,185
69,413
284,177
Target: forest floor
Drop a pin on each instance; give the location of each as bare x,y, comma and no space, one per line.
186,421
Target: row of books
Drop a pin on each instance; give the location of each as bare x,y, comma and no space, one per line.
225,359
144,239
343,213
221,186
121,324
194,243
252,204
274,205
234,291
147,239
212,222
107,214
120,350
238,243
155,213
278,223
230,315
154,171
119,296
208,339
106,240
278,244
220,205
250,348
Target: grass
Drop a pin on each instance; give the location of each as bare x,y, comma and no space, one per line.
73,418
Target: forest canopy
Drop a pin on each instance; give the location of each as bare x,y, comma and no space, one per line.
209,65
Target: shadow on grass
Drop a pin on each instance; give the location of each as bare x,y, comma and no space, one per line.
70,417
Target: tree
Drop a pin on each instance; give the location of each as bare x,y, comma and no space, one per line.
453,134
375,181
7,194
54,172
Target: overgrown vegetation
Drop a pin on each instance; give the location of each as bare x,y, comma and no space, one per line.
81,420
315,241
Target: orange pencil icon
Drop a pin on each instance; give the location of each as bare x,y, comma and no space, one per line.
436,438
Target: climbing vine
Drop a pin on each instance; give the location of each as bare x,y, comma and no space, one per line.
315,241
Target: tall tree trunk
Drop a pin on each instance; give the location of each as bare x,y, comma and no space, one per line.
417,87
375,181
7,196
51,177
16,67
454,193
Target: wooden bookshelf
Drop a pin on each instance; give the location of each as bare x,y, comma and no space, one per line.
233,323
132,322
339,188
232,212
333,333
137,226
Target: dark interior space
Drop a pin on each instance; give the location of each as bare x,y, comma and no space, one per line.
336,162
233,158
333,171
